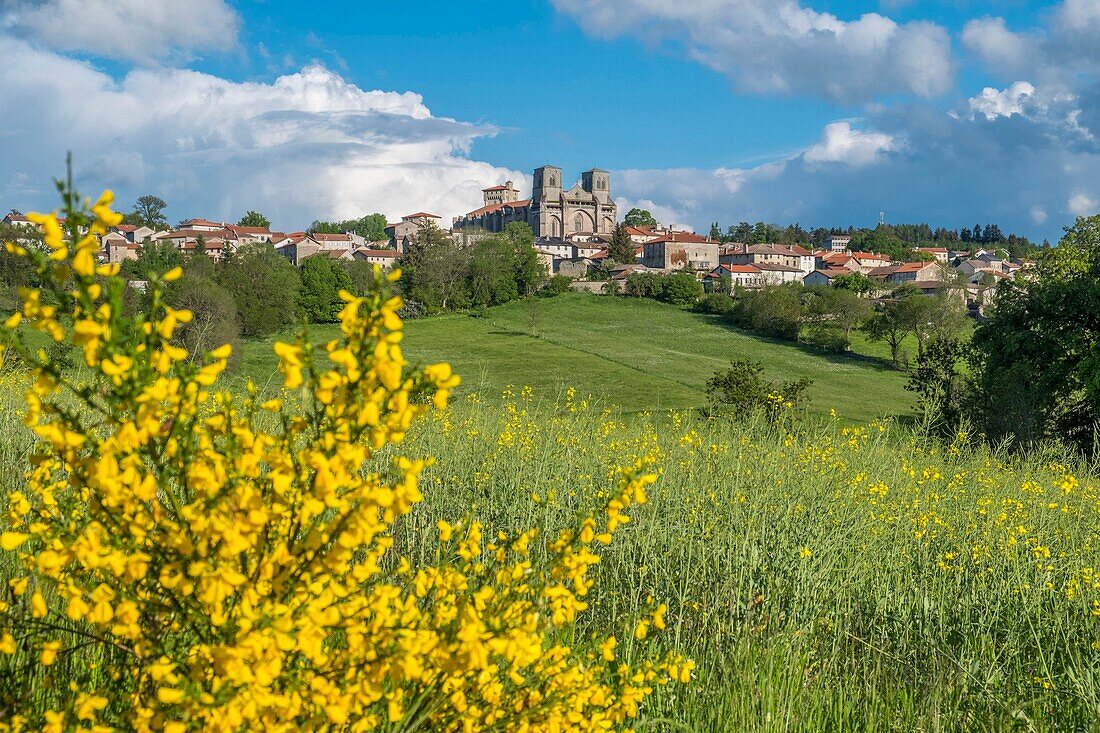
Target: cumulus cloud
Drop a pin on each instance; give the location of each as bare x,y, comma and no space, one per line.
309,145
133,30
840,143
993,103
779,46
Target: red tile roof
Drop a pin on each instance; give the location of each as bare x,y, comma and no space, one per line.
681,238
325,237
490,208
421,215
247,230
391,253
750,269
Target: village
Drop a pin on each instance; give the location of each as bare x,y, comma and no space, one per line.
573,234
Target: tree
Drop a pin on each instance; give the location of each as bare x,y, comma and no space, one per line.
834,313
775,310
639,218
743,389
681,288
213,314
1035,362
645,285
530,271
891,326
265,287
940,387
621,249
153,257
492,272
857,283
149,211
934,316
434,270
254,219
371,227
322,280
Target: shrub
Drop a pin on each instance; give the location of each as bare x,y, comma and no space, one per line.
557,285
194,559
743,389
716,304
645,285
774,311
213,314
681,288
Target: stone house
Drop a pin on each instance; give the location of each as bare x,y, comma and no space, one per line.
776,274
404,232
745,276
790,255
680,250
384,258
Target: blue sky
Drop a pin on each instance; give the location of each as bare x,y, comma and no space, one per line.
817,111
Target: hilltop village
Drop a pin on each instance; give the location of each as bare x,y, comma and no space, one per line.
574,230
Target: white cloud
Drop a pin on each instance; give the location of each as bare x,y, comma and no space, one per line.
134,30
840,143
1081,204
993,103
999,47
779,46
1038,215
309,145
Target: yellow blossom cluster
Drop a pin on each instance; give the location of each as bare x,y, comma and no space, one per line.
228,558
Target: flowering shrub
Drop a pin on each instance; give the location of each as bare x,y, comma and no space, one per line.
189,558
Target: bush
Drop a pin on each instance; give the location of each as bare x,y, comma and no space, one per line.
557,285
681,288
827,338
645,285
774,311
715,304
743,390
194,559
213,315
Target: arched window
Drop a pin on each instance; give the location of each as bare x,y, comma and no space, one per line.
578,223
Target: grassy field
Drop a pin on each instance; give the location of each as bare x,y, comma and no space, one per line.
824,577
632,353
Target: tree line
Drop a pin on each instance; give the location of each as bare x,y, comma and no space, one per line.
897,240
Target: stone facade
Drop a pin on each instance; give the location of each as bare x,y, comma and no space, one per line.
552,212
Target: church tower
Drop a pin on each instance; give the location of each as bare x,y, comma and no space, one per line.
547,185
545,212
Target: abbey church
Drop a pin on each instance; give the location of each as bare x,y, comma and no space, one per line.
552,212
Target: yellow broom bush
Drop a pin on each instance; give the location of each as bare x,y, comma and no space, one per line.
187,558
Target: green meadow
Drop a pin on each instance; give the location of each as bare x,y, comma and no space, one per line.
636,354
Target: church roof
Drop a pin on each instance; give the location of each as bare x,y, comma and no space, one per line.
489,209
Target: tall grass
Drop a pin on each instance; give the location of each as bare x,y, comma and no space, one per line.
822,577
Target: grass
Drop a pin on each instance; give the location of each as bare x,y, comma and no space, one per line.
824,577
632,353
